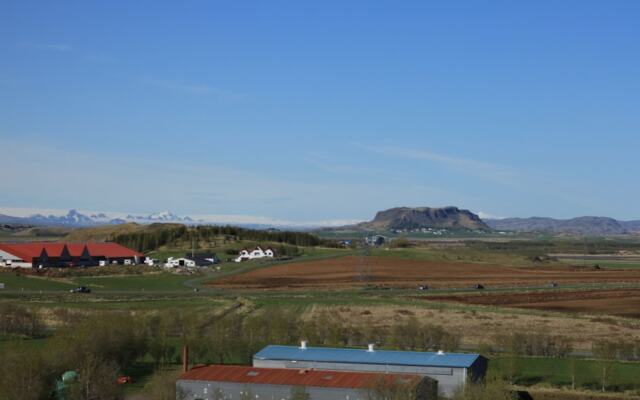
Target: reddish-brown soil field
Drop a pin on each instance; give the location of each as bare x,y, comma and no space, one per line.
621,302
344,272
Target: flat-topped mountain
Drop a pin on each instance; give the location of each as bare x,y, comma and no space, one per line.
424,217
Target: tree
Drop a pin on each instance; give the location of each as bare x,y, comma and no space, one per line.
511,368
246,394
605,352
162,386
97,380
299,393
22,374
494,388
572,369
384,388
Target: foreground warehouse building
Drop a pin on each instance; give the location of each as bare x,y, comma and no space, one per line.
215,382
45,254
451,370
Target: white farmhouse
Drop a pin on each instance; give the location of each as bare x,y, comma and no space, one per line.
246,255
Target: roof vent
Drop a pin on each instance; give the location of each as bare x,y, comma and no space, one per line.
371,348
303,345
440,353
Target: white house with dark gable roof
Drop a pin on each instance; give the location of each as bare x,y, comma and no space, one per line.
246,255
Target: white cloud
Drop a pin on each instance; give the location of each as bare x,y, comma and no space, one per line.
482,169
484,215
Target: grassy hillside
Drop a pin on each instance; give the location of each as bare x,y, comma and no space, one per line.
105,232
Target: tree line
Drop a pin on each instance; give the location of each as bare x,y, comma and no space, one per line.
158,235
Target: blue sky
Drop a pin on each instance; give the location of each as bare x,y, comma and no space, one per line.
317,111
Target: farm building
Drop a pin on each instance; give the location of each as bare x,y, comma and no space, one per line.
238,382
43,254
246,255
451,370
376,240
203,260
191,261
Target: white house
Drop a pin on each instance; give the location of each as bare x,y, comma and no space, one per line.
179,262
246,255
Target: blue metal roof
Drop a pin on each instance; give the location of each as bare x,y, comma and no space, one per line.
362,356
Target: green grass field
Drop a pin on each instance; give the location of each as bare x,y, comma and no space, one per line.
604,263
151,282
557,372
14,282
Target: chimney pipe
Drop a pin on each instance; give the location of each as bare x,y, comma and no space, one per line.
185,358
371,348
303,345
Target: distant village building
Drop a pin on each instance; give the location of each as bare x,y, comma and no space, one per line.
45,255
246,255
191,261
375,240
203,260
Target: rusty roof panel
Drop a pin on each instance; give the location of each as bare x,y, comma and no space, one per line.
290,377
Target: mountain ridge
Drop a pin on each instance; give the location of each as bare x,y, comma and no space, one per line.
586,225
74,218
408,218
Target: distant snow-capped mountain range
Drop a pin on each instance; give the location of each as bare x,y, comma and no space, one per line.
75,218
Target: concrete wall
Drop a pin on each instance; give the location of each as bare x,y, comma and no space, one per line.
206,390
449,379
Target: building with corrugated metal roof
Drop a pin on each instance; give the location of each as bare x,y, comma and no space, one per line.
451,370
237,382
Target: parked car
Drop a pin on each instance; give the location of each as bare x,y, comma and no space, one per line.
123,380
478,286
80,289
423,287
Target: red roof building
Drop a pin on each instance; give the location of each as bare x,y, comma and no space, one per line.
209,382
47,254
290,377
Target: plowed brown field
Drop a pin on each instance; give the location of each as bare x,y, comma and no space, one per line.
620,302
344,272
